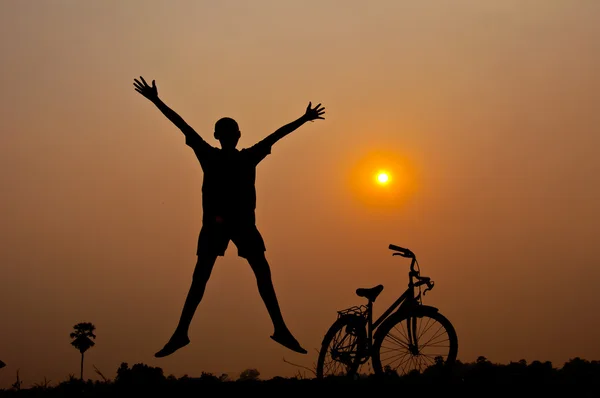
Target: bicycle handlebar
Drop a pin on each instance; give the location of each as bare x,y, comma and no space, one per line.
421,280
402,251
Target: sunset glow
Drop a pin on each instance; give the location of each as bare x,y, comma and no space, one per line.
383,178
465,131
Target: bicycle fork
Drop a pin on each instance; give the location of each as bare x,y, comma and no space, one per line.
413,338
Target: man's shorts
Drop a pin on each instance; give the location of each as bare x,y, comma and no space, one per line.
215,237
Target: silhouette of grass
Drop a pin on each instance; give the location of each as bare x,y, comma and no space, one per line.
144,380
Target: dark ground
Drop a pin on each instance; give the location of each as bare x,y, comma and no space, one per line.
577,377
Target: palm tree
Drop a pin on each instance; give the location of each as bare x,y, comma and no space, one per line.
81,339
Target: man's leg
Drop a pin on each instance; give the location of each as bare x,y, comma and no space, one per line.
262,271
202,272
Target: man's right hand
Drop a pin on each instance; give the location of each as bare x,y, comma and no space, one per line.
150,92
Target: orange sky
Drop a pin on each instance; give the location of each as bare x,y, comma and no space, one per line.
484,111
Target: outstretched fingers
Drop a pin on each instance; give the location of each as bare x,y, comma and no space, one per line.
139,86
142,87
316,112
319,111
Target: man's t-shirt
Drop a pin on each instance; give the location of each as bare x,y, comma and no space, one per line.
228,189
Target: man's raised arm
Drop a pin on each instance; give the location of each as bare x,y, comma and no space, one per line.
151,93
310,115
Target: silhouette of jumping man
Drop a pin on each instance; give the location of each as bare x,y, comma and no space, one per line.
229,202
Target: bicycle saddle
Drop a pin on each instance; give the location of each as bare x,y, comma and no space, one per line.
370,293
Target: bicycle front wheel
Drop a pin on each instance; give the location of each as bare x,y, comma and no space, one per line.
343,348
414,341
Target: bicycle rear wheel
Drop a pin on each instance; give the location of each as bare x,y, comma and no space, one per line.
414,341
343,348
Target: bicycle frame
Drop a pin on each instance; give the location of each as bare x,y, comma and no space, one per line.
371,326
406,299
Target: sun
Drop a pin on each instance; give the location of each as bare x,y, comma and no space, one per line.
383,177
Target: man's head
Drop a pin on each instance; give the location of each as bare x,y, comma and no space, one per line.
227,132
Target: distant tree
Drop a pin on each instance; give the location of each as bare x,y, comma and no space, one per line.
580,370
249,375
82,339
140,375
207,377
123,372
2,364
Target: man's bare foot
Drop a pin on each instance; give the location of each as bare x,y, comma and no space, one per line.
287,340
175,343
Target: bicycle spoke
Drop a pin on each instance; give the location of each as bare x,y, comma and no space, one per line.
427,326
440,336
403,331
431,343
399,342
402,339
401,353
420,360
332,367
397,363
402,357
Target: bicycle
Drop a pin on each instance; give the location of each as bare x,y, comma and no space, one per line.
422,334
